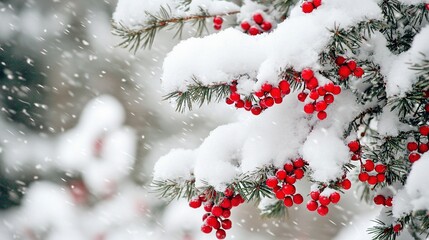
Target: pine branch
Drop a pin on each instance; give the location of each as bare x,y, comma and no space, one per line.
170,190
276,210
199,94
382,231
252,185
144,36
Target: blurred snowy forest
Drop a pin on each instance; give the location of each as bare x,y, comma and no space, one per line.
82,123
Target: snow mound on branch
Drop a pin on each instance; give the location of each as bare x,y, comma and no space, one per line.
400,77
178,164
415,195
296,42
136,13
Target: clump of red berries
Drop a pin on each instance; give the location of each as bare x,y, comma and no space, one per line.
321,96
265,98
283,182
397,228
217,22
309,6
217,216
420,147
354,147
383,200
427,6
347,68
256,25
321,198
372,173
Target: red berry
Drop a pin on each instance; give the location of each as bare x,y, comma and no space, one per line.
427,6
208,206
322,210
271,182
239,104
299,173
266,26
234,96
314,95
340,60
275,93
397,228
212,221
381,177
363,176
280,194
335,197
258,18
427,108
290,179
206,229
344,72
220,234
424,130
372,180
307,74
369,165
380,168
256,110
312,83
217,211
309,108
355,157
281,174
358,72
321,91
217,27
229,101
229,192
269,101
312,205
266,87
195,203
278,100
226,224
289,167
324,200
413,157
245,25
302,96
388,202
354,146
322,115
247,105
346,184
379,200
329,87
328,98
289,189
218,20
253,30
315,195
298,199
226,213
412,146
321,106
288,202
423,148
317,3
284,86
336,90
352,65
299,163
235,201
307,7
206,215
225,203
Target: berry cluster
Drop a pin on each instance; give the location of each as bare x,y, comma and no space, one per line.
397,228
309,6
217,22
354,147
348,67
321,96
417,148
266,97
320,199
383,200
427,6
217,216
260,25
372,173
283,182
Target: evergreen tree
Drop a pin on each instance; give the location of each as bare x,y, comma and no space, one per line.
337,92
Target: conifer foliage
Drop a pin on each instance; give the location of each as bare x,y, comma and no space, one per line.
337,93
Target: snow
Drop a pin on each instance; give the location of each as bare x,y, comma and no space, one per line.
221,57
415,195
178,164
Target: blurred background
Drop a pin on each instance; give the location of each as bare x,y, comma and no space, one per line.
82,123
